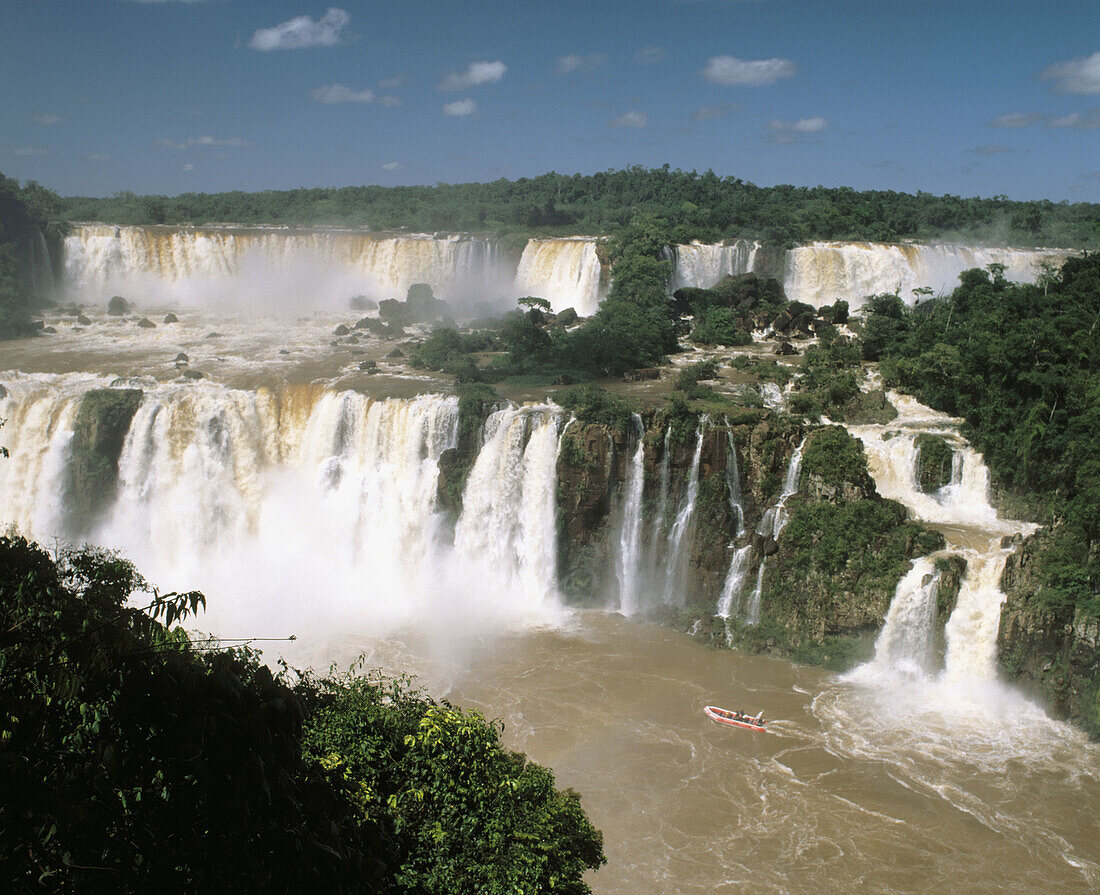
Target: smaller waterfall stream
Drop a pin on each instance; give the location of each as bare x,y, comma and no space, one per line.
630,535
675,557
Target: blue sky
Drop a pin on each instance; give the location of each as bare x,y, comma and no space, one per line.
168,96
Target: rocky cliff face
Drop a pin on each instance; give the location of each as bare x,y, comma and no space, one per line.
99,432
1046,647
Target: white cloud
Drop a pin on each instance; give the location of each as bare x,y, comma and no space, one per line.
302,32
1080,75
390,83
46,119
650,55
633,118
1015,119
729,71
206,140
476,73
1086,121
794,131
338,93
390,101
573,62
188,167
721,110
460,107
30,150
392,166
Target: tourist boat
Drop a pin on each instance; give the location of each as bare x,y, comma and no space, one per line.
735,719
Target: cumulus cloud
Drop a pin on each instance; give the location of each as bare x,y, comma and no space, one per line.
302,32
721,110
1080,75
584,64
392,166
1084,121
650,55
633,118
730,71
460,107
30,150
338,93
476,73
1015,119
206,140
794,131
46,119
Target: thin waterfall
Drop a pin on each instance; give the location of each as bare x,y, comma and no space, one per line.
904,646
771,525
630,535
657,532
730,600
676,541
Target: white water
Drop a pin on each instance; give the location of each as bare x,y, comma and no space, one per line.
972,529
675,557
729,603
704,265
824,272
566,272
305,510
630,533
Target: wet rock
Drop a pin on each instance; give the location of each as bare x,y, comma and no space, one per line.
351,340
361,303
81,320
171,318
368,366
785,349
99,431
182,357
118,306
213,335
146,323
49,329
341,330
283,351
396,353
567,317
193,374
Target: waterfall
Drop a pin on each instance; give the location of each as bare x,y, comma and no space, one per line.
729,601
630,534
905,643
270,269
771,525
657,534
566,272
971,527
674,556
823,272
305,508
701,265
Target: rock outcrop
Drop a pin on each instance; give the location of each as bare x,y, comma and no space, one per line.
99,432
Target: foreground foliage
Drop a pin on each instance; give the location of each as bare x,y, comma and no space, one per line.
133,760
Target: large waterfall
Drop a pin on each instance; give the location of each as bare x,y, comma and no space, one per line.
824,272
304,508
566,272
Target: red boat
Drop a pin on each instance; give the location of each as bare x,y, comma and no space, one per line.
735,719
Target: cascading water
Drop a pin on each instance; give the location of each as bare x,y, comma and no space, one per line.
566,272
824,272
971,527
677,541
630,534
702,265
306,508
729,601
904,645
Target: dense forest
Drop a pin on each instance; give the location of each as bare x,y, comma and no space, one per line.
135,758
691,205
25,215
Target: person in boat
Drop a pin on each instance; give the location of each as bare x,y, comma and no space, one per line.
759,719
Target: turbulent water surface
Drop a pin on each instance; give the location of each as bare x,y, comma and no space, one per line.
301,504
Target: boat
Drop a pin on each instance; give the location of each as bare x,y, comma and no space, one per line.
735,719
